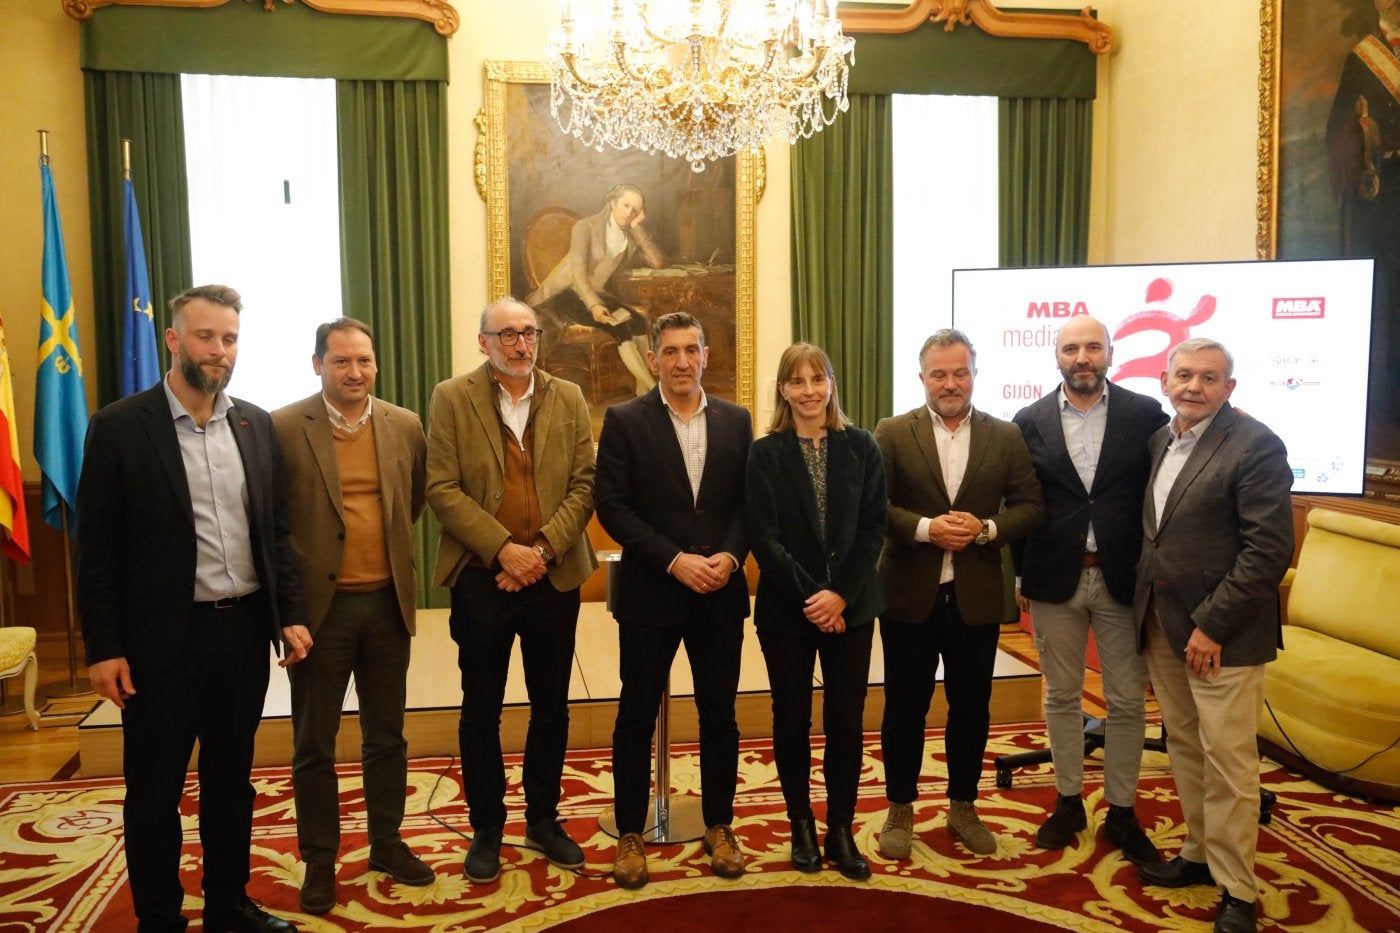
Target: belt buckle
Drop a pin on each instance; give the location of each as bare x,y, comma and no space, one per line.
226,602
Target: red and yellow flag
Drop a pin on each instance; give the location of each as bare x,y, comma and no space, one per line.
14,524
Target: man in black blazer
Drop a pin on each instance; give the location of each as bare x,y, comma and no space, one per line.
1088,441
1217,539
185,576
670,490
961,487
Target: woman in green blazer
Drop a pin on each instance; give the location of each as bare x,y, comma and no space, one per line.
816,511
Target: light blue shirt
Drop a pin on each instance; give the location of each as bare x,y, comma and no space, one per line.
1178,452
219,495
1084,432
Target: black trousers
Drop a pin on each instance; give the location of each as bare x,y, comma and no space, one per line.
484,623
790,656
214,693
912,652
646,652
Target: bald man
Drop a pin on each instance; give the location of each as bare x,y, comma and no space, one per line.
1088,443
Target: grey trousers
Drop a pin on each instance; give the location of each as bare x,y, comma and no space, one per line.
1061,636
363,634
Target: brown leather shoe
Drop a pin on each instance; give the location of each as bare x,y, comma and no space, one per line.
630,862
318,888
723,849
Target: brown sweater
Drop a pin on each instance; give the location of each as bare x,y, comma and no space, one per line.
364,563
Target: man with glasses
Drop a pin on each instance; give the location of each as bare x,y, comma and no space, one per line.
510,476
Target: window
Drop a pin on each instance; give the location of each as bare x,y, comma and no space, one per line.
265,219
945,217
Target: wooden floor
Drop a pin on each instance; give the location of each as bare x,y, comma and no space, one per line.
53,750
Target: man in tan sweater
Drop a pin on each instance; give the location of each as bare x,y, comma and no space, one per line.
356,471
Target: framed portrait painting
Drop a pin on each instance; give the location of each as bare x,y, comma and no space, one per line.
1329,165
601,243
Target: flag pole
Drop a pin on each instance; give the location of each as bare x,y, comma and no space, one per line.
76,686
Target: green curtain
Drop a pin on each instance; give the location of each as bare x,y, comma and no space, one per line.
393,247
931,60
842,252
1044,181
144,108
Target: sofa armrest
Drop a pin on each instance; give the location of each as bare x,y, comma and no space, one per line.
1284,588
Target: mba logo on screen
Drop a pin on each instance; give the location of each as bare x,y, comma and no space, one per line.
1299,308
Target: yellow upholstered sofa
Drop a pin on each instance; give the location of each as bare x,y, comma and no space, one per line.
1333,696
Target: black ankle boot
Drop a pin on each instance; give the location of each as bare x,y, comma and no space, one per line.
806,856
841,851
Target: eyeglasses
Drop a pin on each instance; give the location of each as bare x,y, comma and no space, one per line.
508,338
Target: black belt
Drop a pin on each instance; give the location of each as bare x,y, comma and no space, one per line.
1091,558
228,602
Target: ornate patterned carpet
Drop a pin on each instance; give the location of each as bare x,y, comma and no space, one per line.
1326,862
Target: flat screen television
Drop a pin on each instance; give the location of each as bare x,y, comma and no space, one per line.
1299,332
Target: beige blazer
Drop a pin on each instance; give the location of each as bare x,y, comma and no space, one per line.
466,474
314,505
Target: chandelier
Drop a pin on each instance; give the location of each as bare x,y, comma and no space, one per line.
699,79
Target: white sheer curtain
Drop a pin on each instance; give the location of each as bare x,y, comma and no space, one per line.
945,217
265,219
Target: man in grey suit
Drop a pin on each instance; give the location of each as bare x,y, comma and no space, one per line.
1218,536
961,486
1088,441
356,471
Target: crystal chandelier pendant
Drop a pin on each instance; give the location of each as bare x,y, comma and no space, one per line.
699,79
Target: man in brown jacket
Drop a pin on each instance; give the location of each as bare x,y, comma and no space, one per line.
510,476
356,471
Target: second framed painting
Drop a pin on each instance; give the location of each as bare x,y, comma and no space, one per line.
601,243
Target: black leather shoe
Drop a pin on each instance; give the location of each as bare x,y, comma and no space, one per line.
1122,829
806,855
548,836
1067,820
1178,873
245,916
841,851
1235,916
484,857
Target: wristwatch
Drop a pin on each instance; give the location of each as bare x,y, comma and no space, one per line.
544,553
985,535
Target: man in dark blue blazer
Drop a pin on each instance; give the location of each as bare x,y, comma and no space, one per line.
1088,442
185,576
670,490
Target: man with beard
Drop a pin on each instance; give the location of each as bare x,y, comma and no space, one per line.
1088,442
185,575
510,476
961,486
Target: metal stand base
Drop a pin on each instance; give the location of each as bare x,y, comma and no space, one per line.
683,822
67,688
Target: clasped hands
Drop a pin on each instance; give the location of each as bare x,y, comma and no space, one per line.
702,574
521,566
825,609
954,531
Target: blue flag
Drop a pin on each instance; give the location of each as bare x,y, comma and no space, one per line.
60,401
140,367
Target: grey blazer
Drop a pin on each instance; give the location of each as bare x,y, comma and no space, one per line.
1215,556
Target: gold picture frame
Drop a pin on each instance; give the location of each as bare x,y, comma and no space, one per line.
1328,182
520,143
